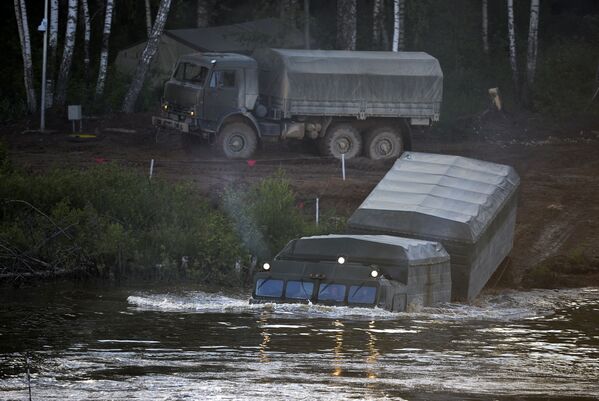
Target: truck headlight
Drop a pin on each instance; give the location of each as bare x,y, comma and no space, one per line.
374,273
266,266
165,106
341,260
192,113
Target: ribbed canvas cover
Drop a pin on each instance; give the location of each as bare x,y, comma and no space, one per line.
292,76
436,196
384,248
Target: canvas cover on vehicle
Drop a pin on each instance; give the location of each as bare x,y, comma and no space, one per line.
374,248
468,205
374,82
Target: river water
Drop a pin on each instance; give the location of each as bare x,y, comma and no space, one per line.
185,344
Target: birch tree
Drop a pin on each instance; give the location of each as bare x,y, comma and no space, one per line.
148,18
288,11
53,51
203,11
146,57
377,17
399,7
346,24
67,56
86,38
23,28
512,40
104,52
533,33
485,25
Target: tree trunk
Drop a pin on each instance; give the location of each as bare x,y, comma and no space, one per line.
377,13
67,55
288,11
531,54
53,46
104,52
346,24
399,7
203,12
485,24
23,27
307,24
146,57
512,41
148,18
86,39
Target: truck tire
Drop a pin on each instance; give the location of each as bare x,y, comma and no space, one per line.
237,141
383,143
341,139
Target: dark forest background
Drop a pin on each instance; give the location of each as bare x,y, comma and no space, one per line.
449,30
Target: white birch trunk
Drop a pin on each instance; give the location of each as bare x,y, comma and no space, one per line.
148,18
86,39
104,52
23,27
531,54
288,11
346,24
146,57
203,13
485,24
377,9
399,7
512,41
53,47
67,55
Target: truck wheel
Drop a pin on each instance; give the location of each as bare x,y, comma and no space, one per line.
238,141
383,143
341,139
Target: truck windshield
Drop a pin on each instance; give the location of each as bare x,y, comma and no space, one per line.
299,289
331,292
361,295
193,73
266,287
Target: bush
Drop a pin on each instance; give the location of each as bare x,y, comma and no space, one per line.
266,216
111,222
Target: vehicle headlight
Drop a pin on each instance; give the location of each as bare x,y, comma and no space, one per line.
266,266
341,260
165,106
374,273
192,113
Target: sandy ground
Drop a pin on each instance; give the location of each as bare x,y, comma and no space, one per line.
558,210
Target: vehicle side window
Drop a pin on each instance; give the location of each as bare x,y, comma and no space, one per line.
222,79
188,72
361,295
266,287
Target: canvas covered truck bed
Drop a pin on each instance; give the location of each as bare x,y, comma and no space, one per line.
467,205
350,83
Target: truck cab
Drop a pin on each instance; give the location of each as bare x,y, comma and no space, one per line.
208,91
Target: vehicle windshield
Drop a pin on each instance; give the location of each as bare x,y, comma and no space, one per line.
192,73
299,290
266,287
359,294
331,292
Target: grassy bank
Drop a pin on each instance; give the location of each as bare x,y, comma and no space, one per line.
108,222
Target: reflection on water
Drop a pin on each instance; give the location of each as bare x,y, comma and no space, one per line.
121,343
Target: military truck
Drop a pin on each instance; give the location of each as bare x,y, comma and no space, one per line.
350,102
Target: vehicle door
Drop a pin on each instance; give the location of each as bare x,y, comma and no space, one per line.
186,89
220,98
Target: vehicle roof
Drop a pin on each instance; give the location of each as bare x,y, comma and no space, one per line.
222,59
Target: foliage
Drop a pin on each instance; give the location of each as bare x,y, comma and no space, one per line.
111,222
266,216
562,270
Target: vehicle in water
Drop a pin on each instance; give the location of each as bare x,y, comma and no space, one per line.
350,102
434,229
383,271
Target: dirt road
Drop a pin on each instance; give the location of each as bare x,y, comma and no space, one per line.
558,211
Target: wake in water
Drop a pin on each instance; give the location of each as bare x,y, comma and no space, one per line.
509,305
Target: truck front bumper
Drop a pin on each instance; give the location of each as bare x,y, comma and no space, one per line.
169,123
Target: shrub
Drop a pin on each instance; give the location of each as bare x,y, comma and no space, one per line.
109,221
